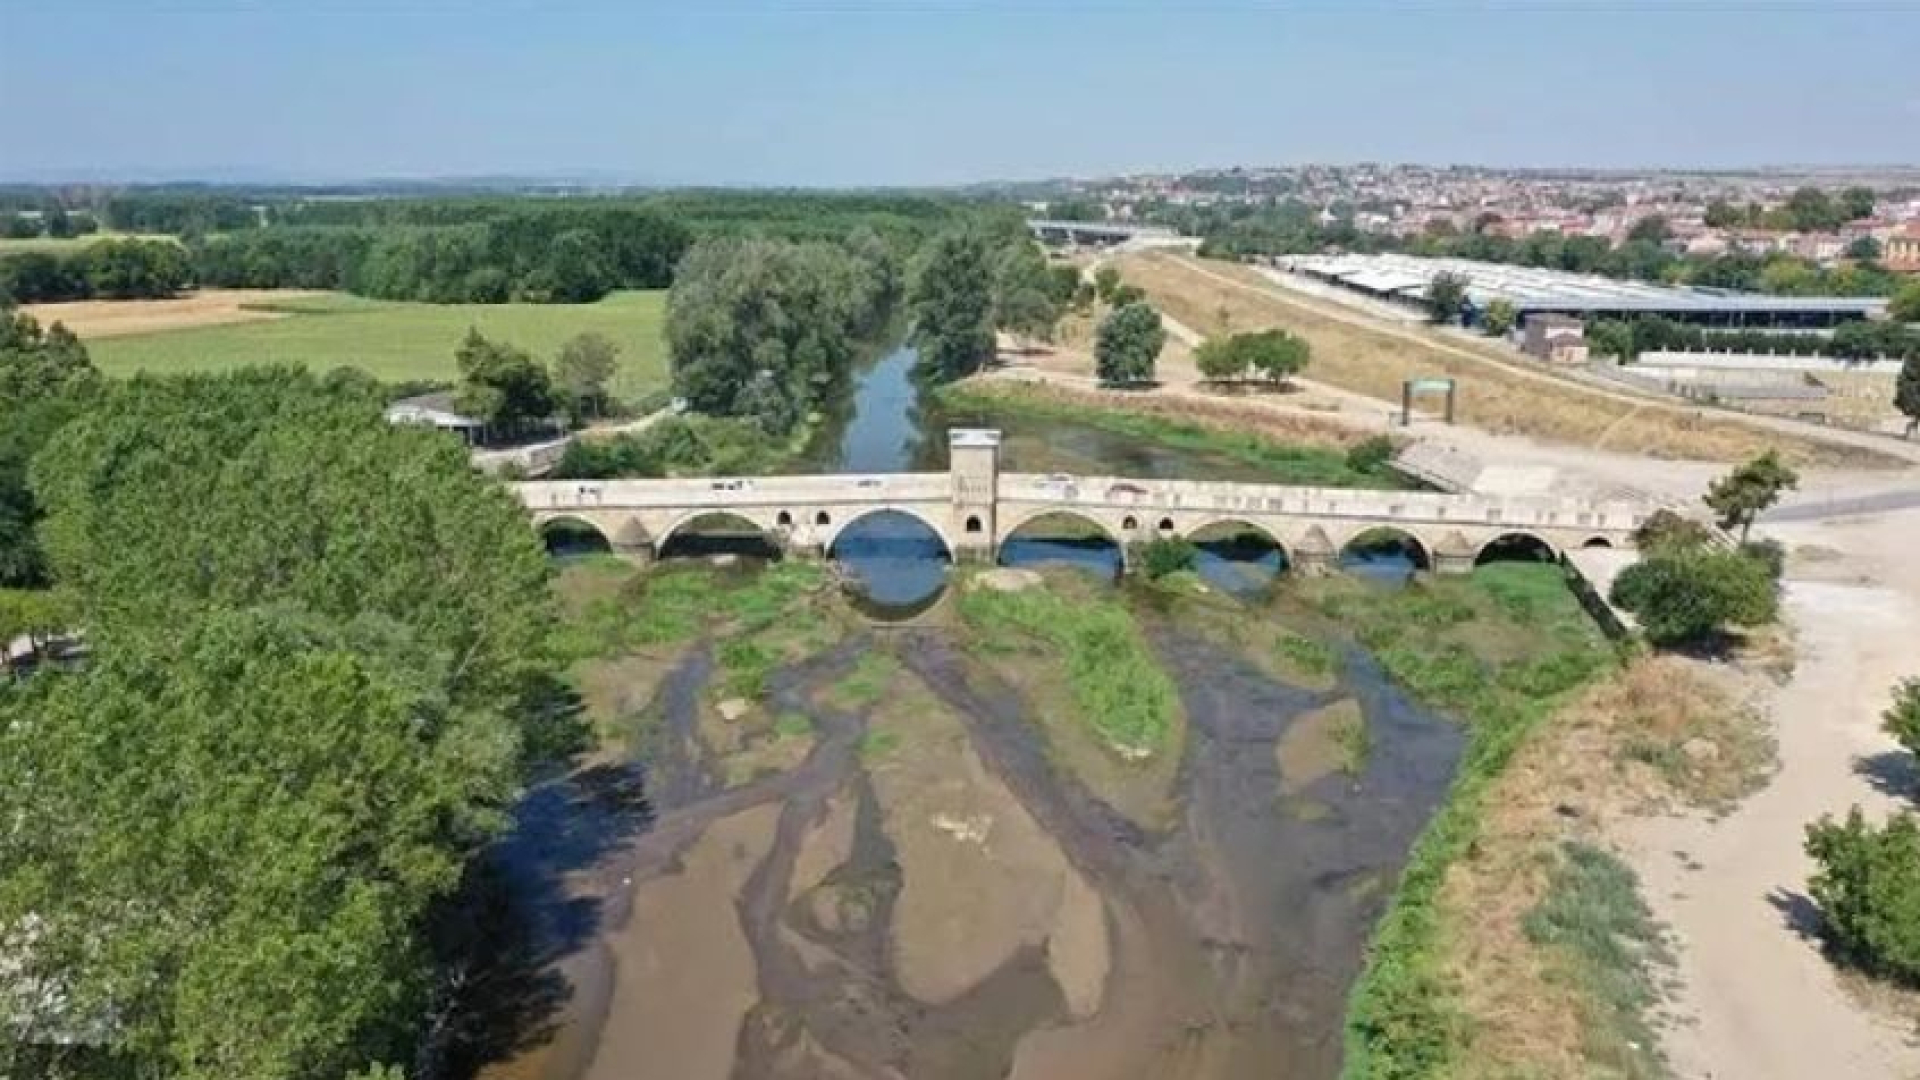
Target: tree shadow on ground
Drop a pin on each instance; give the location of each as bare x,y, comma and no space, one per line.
523,909
1892,772
1800,913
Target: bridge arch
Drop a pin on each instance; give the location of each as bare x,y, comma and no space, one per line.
769,535
1418,549
1010,529
1516,545
566,534
1243,525
832,536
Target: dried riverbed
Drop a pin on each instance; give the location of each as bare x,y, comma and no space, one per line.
876,855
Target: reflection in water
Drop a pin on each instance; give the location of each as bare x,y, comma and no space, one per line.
895,559
1096,555
1242,565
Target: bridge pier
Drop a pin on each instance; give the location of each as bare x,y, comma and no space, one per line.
1452,564
639,556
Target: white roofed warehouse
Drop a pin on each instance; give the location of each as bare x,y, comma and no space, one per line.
1405,278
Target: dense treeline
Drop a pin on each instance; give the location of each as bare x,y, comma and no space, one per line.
106,269
1294,228
465,250
561,256
44,376
180,213
1628,338
335,660
769,329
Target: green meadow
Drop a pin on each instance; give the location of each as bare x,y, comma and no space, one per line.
398,341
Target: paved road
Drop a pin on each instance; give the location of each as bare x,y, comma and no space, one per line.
1828,509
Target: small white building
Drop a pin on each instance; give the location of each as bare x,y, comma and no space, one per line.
435,411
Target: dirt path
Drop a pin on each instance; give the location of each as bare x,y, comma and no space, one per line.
1757,999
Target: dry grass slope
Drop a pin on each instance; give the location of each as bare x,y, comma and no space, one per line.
1494,396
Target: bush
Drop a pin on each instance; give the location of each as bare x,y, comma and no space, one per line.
1666,531
1167,555
1371,454
1691,596
1868,890
1902,720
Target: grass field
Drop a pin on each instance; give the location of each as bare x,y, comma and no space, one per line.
394,341
13,245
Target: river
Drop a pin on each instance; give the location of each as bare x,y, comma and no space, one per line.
979,898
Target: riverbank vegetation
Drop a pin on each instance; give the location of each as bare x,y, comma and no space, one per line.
1293,450
336,657
767,330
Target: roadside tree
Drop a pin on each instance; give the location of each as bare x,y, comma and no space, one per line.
1749,489
1446,297
1499,318
1128,344
1905,305
583,369
1906,393
501,385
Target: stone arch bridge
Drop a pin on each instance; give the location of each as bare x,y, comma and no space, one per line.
974,508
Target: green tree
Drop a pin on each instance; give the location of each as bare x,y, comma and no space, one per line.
1499,318
1905,305
1867,886
1750,488
256,913
1902,718
1683,598
1857,202
1105,280
1864,249
1024,301
1127,344
1126,293
952,302
44,376
1652,229
58,225
268,486
500,385
1220,359
1665,532
583,369
1446,297
1275,354
1906,392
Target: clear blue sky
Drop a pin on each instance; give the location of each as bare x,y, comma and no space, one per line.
848,92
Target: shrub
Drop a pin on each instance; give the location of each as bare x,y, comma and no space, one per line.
1167,555
1868,889
1666,531
1903,718
1688,597
1371,454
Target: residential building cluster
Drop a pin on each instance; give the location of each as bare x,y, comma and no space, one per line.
1409,200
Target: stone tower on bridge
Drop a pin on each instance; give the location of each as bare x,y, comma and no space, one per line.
974,464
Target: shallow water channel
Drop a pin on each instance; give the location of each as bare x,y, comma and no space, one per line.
969,897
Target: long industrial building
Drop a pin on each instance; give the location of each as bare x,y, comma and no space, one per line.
1404,279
